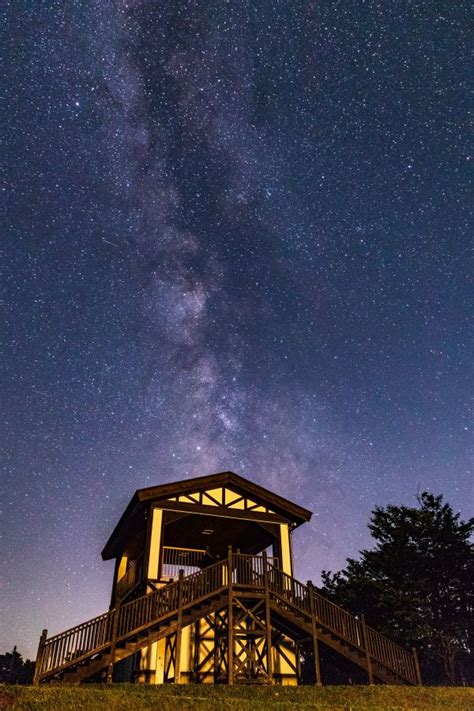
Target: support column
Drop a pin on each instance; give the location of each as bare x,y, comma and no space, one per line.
314,634
367,652
179,630
149,661
113,643
268,621
285,550
39,656
230,620
154,544
417,667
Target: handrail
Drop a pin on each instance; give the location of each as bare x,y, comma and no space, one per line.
175,559
337,620
86,638
146,609
89,638
391,655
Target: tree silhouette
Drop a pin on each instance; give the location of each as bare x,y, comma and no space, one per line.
13,670
417,585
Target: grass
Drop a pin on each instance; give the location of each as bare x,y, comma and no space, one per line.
128,697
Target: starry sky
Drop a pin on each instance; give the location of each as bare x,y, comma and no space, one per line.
236,237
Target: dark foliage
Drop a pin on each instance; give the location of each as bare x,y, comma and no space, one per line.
417,585
15,670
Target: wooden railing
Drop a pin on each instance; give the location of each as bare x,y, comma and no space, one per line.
338,620
246,571
176,559
73,644
143,611
391,655
289,590
346,626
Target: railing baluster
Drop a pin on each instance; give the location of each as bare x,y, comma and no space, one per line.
55,657
87,631
80,646
52,652
60,651
96,635
87,634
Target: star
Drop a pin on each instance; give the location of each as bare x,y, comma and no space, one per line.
234,240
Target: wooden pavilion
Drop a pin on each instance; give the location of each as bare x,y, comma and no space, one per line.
204,592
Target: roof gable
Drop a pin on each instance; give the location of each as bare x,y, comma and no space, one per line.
234,483
225,490
222,497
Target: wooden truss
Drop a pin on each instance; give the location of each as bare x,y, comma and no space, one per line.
236,644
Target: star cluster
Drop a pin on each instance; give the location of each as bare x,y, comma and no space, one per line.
237,237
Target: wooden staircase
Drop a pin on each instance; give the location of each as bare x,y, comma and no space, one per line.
92,648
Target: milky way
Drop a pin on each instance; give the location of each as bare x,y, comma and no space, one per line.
237,238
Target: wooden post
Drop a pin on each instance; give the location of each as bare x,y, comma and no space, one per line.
113,643
367,652
417,666
197,646
179,629
268,620
230,620
39,657
314,634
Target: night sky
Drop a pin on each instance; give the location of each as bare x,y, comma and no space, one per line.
236,237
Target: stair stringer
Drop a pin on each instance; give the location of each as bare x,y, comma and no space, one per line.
136,640
297,619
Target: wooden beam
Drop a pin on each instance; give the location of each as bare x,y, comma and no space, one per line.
179,630
114,584
209,496
280,649
367,652
268,621
417,666
154,545
170,656
250,612
314,634
219,511
39,656
113,643
230,620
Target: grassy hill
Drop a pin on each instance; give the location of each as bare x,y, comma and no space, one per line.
128,697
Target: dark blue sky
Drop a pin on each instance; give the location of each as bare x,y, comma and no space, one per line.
236,236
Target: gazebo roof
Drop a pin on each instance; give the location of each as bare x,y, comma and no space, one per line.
142,498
